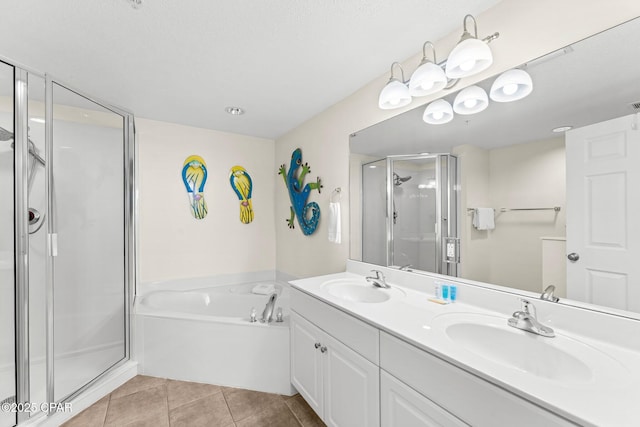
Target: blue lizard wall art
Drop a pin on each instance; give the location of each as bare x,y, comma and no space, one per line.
299,195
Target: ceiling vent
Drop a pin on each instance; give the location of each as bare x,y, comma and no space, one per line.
635,106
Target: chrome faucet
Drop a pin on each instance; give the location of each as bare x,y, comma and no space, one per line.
526,320
379,281
548,295
268,309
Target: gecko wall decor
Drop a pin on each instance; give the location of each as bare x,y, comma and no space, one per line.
294,180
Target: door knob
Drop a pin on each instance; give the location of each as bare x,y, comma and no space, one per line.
573,256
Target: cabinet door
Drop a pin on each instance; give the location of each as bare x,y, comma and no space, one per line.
351,387
306,361
402,406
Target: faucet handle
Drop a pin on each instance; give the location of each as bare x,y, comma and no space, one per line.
528,307
379,274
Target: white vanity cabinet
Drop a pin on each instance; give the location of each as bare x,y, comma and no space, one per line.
341,385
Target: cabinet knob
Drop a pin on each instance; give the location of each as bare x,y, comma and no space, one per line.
317,345
323,349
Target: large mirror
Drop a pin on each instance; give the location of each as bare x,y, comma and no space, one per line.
562,201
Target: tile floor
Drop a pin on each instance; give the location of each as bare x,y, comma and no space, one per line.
156,402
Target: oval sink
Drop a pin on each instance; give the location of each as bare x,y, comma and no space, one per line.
561,358
359,291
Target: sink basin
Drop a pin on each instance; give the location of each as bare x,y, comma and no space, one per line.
361,291
560,359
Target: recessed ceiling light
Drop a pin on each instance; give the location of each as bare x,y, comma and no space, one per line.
561,129
234,111
372,166
37,119
424,154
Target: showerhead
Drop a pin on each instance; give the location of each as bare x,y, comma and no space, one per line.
5,135
399,180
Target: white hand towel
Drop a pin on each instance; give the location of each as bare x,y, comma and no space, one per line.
264,289
335,232
483,219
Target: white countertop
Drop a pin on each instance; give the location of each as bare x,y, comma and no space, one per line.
610,398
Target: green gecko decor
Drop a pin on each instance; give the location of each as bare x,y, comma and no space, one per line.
299,195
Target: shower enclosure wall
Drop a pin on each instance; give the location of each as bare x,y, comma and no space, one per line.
66,245
410,212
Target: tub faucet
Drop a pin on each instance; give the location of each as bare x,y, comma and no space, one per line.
526,320
548,295
379,281
268,309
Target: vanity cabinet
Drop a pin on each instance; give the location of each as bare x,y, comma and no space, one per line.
341,385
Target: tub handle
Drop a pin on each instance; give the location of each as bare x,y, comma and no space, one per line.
317,345
323,349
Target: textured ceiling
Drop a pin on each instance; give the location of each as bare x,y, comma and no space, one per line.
185,61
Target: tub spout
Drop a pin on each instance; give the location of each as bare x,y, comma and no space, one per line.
267,314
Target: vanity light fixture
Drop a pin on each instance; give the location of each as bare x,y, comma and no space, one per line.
429,77
395,94
511,85
471,100
438,112
470,56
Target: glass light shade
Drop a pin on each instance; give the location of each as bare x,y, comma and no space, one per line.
428,78
469,57
471,100
511,86
394,95
438,112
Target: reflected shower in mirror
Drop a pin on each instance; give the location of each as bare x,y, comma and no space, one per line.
526,160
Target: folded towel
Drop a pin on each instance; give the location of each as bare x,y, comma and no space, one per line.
335,232
483,219
263,289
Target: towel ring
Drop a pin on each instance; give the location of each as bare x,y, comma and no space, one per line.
336,192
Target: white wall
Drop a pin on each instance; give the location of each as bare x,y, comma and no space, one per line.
527,30
172,244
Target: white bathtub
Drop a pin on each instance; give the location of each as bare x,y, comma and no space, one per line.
204,335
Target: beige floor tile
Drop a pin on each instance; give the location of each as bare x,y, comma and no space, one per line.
211,411
139,408
303,412
181,392
276,415
93,416
244,403
137,383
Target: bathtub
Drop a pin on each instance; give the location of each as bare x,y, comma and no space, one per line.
204,335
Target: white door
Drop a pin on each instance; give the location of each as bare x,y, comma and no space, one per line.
603,213
352,387
306,361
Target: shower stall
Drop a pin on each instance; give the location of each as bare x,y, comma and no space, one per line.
410,212
66,242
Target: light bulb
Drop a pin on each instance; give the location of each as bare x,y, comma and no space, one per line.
438,115
468,65
510,89
426,85
470,103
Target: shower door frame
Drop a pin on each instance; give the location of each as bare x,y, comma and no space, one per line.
449,205
21,196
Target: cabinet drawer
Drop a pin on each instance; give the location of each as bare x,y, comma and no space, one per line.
400,405
472,399
356,334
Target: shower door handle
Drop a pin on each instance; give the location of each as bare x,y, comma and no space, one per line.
573,257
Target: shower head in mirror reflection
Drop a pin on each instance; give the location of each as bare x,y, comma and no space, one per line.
399,180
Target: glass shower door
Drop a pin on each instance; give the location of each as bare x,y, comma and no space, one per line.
7,247
88,242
